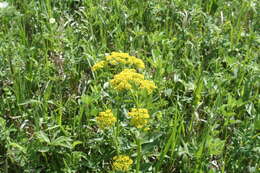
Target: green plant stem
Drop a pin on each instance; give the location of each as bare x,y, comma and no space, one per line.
115,138
139,153
135,97
6,165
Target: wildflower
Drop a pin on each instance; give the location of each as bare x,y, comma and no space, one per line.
98,65
3,4
52,20
106,119
116,58
123,80
122,163
139,117
124,58
129,77
148,85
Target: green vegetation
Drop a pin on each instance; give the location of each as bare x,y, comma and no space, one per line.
200,112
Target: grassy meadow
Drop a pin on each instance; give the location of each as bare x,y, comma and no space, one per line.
144,86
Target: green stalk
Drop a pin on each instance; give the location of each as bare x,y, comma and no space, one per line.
115,138
165,150
6,165
139,154
136,99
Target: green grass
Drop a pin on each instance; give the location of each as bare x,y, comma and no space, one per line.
203,55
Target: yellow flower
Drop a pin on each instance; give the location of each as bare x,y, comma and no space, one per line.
122,163
139,117
138,62
129,77
119,58
148,85
124,58
106,119
98,65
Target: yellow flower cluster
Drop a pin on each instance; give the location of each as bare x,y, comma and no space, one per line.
106,119
139,117
124,58
98,65
119,58
122,163
129,77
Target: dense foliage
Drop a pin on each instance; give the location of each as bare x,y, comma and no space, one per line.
183,95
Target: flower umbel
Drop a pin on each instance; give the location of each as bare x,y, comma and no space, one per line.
124,58
129,77
122,163
106,119
98,65
139,117
116,58
148,85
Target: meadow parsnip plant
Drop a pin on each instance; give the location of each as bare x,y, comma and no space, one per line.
110,86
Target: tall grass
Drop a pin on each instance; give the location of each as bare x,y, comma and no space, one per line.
202,55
